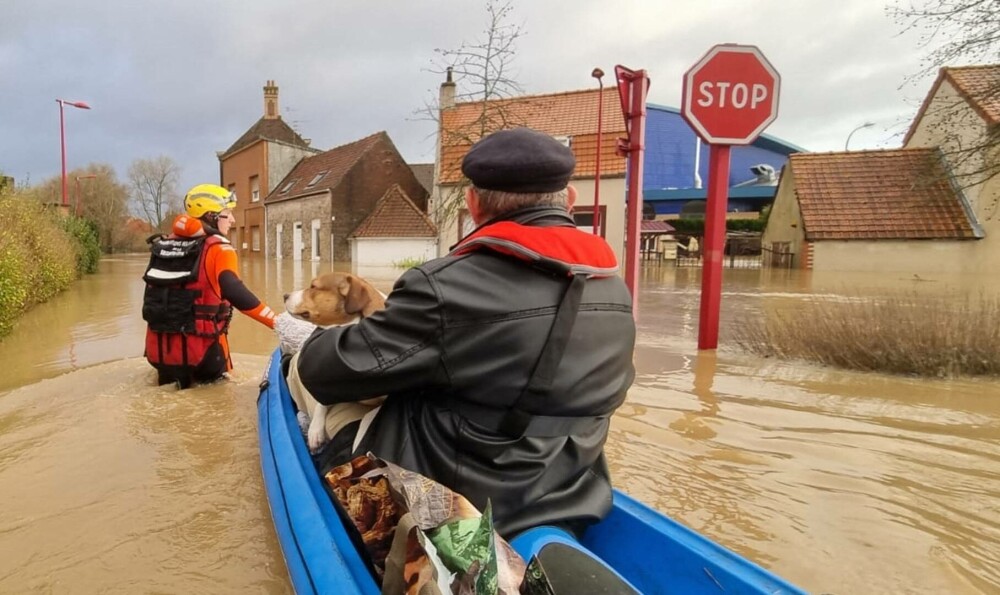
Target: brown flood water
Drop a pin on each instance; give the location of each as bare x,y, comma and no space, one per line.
841,482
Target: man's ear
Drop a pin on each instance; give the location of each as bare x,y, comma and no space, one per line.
472,203
570,197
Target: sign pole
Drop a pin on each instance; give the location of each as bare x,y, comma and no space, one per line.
714,246
632,88
729,97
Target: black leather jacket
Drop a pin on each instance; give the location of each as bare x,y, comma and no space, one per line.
457,342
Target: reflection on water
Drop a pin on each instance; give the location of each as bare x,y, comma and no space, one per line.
841,482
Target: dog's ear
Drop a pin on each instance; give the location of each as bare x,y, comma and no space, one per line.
356,295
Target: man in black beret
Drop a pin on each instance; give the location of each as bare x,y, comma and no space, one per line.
502,361
517,168
520,160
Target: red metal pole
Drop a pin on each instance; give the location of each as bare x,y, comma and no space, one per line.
637,142
62,146
597,160
714,245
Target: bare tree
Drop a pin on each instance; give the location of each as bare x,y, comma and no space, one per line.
955,33
484,76
97,196
485,68
959,31
153,183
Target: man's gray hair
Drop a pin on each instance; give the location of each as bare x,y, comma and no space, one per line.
494,203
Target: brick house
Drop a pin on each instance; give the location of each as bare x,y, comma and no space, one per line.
396,231
315,208
924,208
254,164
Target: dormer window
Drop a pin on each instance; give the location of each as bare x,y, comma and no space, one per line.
564,140
316,179
288,186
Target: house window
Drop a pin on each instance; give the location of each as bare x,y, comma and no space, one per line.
288,186
584,219
315,179
255,238
231,188
565,140
254,189
314,239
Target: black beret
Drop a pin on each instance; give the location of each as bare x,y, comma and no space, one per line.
519,160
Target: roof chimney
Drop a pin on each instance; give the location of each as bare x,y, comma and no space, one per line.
446,98
271,101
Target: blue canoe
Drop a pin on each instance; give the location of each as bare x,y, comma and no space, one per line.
649,550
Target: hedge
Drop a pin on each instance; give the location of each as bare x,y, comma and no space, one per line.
696,225
41,254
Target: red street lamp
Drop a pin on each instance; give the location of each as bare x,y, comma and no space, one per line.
62,140
78,195
597,74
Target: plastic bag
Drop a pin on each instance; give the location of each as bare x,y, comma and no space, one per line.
439,543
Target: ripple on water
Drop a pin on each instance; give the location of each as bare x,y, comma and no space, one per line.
135,488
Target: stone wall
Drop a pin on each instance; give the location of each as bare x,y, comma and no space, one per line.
301,211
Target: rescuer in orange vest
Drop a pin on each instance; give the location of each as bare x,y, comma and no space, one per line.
192,286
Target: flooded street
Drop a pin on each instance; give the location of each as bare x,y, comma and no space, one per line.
841,482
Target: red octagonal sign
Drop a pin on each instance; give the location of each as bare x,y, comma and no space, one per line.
731,95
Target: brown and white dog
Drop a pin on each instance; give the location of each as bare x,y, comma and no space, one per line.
332,299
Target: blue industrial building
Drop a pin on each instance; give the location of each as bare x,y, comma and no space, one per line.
669,181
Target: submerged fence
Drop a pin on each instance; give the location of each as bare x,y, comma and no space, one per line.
742,251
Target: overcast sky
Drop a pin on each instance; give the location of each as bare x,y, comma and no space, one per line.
183,78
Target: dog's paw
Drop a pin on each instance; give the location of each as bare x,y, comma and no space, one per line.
317,434
303,420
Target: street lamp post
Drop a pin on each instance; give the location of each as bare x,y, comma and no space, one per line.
62,140
865,125
597,74
78,195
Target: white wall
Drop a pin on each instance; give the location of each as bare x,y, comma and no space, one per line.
375,252
613,199
281,158
907,257
949,121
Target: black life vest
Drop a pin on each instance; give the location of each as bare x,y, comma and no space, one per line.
185,316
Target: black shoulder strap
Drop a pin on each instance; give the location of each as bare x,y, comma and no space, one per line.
515,421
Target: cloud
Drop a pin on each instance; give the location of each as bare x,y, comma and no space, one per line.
184,78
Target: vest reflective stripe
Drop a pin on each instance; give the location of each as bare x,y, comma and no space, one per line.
166,275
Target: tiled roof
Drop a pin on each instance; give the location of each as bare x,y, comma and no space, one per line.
395,216
654,226
332,164
878,195
267,129
978,85
572,114
424,173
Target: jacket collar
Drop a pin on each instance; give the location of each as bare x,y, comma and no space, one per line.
544,236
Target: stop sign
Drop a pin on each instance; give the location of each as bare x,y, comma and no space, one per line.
730,95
